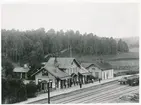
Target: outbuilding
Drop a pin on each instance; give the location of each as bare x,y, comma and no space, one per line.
100,70
21,72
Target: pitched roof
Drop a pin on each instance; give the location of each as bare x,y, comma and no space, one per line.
54,71
62,62
84,71
21,69
38,70
86,65
104,65
101,65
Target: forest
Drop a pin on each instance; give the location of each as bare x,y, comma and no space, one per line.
32,45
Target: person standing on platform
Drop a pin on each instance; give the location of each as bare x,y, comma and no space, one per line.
80,85
99,80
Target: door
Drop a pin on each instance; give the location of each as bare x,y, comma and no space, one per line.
97,74
107,75
103,75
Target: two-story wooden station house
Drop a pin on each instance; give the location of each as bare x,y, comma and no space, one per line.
63,72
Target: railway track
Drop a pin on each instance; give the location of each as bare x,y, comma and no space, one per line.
70,94
110,96
104,93
87,94
96,93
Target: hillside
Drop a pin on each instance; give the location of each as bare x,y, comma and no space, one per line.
91,58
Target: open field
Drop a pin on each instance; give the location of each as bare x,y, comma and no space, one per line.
121,61
122,56
134,49
125,63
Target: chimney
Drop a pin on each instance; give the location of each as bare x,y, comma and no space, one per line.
55,59
56,62
25,66
98,60
101,60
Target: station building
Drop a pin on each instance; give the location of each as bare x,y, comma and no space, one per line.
100,69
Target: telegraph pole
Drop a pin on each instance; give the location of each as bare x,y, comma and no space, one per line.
70,51
48,92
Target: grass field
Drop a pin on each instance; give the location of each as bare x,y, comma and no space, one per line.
125,63
121,61
122,56
134,49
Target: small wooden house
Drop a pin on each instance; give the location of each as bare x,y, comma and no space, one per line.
21,72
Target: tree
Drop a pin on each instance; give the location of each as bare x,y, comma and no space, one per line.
7,66
32,45
13,90
126,49
122,46
113,46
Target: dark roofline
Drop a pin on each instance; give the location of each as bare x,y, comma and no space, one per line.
56,76
48,71
105,67
41,70
95,64
37,72
91,65
78,64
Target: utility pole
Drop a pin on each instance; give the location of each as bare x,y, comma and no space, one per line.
70,50
49,83
48,92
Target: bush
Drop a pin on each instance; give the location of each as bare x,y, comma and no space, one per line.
4,90
31,89
22,94
13,90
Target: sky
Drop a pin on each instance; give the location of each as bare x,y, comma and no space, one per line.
103,19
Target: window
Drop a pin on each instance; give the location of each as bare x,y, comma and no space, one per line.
23,75
74,70
39,81
93,68
97,74
104,75
67,71
44,73
70,71
43,86
107,74
50,85
72,63
110,73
